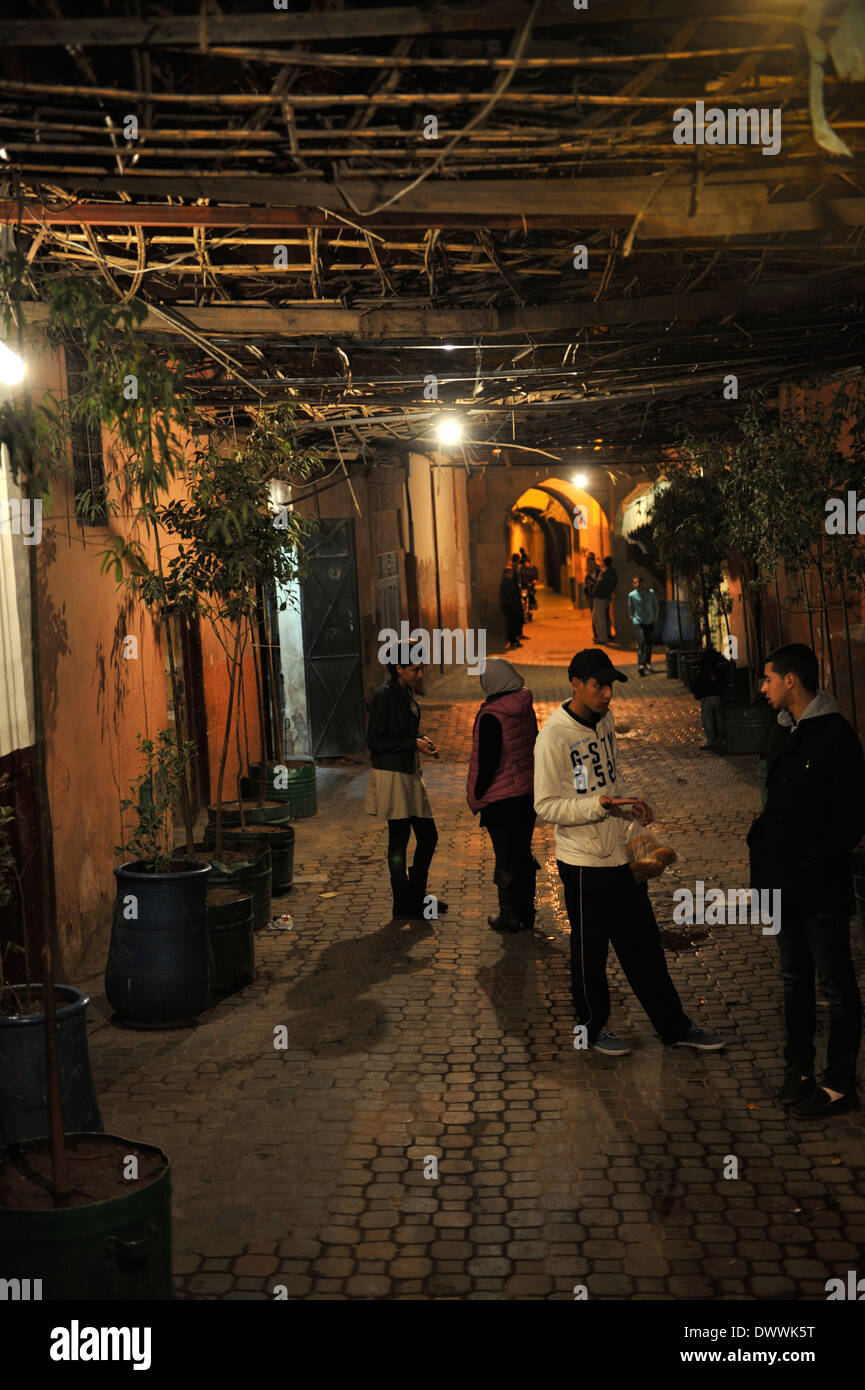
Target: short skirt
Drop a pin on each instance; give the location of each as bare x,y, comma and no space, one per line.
396,795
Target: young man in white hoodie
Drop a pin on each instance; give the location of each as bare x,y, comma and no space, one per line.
577,787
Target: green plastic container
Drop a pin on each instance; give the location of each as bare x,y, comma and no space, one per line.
230,922
248,875
688,664
672,663
274,812
748,728
117,1250
292,782
278,838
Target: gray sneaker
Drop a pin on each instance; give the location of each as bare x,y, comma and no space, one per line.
704,1042
611,1046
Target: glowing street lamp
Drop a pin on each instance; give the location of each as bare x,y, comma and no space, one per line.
449,430
580,480
12,367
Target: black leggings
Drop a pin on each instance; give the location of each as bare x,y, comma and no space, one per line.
426,839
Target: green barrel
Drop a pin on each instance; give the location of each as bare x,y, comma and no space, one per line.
278,838
672,663
230,922
292,782
113,1250
748,727
273,812
689,664
248,872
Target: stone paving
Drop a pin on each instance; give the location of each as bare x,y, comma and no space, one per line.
308,1172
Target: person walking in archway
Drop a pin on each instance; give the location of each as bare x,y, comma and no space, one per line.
500,786
511,605
396,791
643,608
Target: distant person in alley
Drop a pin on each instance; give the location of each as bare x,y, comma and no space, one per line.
511,604
396,791
604,590
643,610
578,789
501,787
802,843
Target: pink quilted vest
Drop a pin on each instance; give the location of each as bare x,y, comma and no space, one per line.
515,775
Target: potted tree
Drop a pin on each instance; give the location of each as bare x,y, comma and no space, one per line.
229,544
159,961
87,1214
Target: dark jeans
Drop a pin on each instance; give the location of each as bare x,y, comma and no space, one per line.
609,905
644,643
409,886
510,825
821,942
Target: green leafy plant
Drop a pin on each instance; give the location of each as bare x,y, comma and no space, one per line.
153,797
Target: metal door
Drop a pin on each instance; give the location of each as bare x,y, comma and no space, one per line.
331,642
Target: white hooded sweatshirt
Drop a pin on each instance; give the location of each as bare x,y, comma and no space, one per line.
574,767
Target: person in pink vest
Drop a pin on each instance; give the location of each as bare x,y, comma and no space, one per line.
501,787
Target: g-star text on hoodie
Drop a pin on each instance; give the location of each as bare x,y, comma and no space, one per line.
596,755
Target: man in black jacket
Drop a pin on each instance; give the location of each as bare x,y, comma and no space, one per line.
802,843
604,590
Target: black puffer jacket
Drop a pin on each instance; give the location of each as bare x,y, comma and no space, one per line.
815,811
394,719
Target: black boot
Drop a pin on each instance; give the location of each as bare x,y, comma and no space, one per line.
402,897
508,918
417,888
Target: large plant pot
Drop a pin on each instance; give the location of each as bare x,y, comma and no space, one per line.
292,781
23,1084
106,1250
247,870
230,923
273,812
689,665
159,962
737,687
670,635
748,727
672,662
278,838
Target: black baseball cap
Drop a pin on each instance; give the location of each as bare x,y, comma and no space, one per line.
593,661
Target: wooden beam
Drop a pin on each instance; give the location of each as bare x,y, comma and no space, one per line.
418,324
275,27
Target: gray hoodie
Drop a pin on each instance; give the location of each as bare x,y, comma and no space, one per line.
823,703
574,767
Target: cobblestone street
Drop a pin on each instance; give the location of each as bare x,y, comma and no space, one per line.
307,1167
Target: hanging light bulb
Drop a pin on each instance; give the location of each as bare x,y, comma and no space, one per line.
12,367
580,480
449,430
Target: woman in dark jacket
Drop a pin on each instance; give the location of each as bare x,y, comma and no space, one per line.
396,791
501,787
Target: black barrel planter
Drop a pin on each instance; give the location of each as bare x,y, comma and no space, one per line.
292,782
159,962
273,812
114,1250
689,664
278,837
230,923
672,663
246,870
737,685
748,727
23,1084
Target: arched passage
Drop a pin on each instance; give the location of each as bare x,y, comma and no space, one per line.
559,523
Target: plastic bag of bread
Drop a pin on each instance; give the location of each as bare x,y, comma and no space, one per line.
647,856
